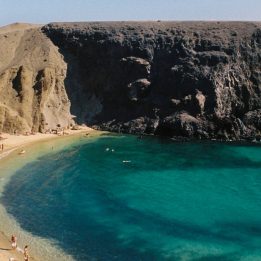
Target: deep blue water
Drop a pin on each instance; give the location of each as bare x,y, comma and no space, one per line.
167,201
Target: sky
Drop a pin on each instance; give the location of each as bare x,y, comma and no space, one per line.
45,11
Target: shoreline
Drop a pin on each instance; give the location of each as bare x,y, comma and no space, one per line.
13,144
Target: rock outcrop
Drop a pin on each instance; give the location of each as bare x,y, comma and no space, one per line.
177,79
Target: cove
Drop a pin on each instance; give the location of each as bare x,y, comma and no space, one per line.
123,198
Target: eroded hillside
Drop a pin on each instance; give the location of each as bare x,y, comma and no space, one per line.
32,72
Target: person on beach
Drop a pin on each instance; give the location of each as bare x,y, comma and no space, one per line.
2,146
22,152
14,241
26,255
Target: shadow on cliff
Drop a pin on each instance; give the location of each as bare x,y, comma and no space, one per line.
144,78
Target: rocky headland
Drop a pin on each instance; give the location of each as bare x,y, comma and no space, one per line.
177,79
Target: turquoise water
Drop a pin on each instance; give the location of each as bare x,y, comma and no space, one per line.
123,198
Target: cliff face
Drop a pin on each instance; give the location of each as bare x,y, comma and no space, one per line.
179,79
32,72
191,79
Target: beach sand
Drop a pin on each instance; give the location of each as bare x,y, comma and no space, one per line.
18,143
6,251
13,142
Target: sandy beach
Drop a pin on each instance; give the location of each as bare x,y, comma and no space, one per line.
19,143
6,251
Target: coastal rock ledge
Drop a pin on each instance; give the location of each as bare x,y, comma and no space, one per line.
178,79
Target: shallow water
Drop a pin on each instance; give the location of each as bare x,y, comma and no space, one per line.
123,198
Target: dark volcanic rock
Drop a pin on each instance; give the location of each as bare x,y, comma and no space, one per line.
192,79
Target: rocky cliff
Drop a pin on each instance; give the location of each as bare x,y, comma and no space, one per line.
177,79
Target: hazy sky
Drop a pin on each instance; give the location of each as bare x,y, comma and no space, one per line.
44,11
